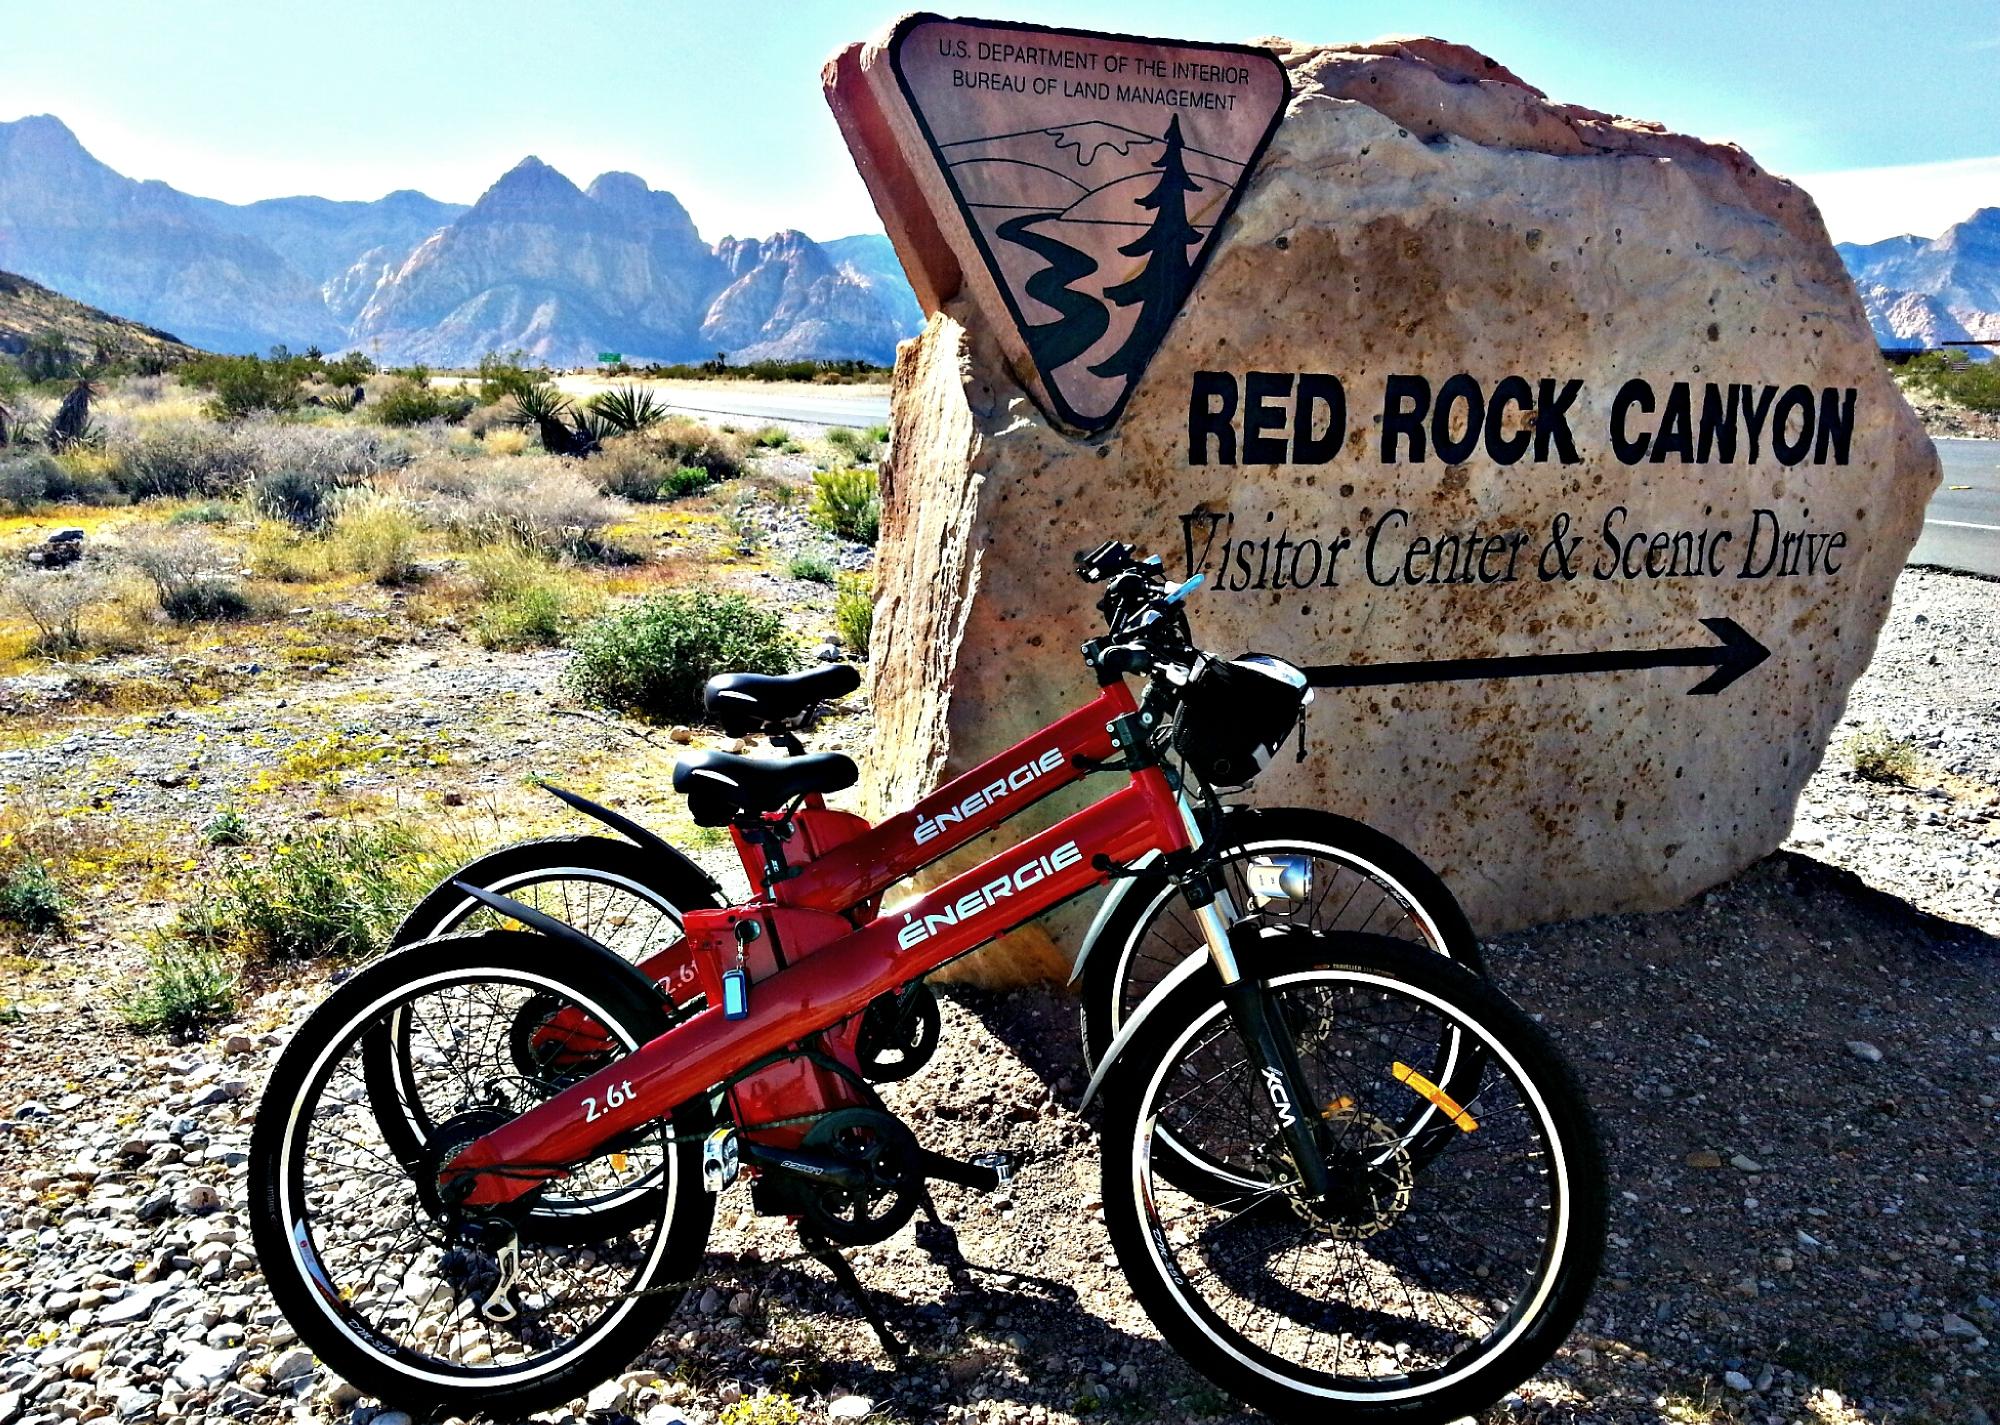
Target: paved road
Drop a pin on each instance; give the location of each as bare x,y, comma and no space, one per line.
856,406
1962,526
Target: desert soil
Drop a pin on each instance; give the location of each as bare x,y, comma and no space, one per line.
1795,1075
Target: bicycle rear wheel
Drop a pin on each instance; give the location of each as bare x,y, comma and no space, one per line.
1461,1238
404,1295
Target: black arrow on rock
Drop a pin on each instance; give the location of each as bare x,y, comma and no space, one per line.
1734,653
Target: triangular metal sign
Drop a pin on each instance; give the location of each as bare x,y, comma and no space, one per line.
1092,172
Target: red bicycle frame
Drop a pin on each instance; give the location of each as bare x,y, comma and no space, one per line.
838,954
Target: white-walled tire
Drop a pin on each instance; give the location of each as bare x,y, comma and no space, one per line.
1431,1282
360,1260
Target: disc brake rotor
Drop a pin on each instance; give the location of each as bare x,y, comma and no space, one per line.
1372,1177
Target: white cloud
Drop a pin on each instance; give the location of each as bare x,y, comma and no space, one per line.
1866,204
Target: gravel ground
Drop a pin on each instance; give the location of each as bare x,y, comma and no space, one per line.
1796,1076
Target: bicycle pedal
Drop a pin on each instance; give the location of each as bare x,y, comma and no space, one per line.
720,1159
1003,1164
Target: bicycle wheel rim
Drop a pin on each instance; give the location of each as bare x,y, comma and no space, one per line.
308,1259
460,916
1510,1325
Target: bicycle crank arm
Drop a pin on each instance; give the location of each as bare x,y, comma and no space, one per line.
986,1173
1276,1061
819,1167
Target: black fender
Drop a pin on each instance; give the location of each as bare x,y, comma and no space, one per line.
607,959
632,831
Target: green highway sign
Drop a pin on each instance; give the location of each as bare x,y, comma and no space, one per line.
609,357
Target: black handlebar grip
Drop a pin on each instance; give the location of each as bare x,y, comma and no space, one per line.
1126,658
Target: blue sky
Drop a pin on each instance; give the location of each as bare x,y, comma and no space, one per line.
1889,114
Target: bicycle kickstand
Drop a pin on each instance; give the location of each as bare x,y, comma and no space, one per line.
829,1257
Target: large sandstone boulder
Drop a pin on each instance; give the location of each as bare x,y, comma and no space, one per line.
1601,383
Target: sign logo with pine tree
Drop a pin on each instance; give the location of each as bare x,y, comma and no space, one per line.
1088,175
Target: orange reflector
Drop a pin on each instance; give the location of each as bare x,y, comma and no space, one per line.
1446,1103
617,1162
1339,1105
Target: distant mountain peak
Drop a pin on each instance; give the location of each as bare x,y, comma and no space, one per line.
537,263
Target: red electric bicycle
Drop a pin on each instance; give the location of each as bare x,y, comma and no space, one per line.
1339,1171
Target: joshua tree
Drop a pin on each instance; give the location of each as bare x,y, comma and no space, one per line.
1159,286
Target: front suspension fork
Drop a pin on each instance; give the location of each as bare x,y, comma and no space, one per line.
1273,1056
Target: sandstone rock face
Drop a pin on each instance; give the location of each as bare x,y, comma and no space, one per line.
1570,385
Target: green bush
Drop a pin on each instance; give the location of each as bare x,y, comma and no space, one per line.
190,573
1880,756
189,985
226,828
504,376
688,480
1972,384
206,601
415,402
525,601
858,444
775,438
242,385
31,900
303,499
813,568
338,891
208,512
854,612
847,503
651,659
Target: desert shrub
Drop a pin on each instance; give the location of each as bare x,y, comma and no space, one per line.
1879,755
631,469
503,376
776,438
208,512
189,984
239,386
412,402
375,534
525,601
682,441
745,529
344,454
860,445
854,611
813,568
687,480
537,501
30,479
278,551
652,658
56,601
226,828
847,503
187,569
180,459
1972,384
31,900
300,498
335,891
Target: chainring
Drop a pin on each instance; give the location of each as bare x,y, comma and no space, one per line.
881,1144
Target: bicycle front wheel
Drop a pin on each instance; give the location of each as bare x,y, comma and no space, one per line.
1459,1241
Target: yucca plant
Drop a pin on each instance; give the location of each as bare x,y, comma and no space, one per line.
628,409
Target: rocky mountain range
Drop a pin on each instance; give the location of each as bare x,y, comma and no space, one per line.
1925,291
537,264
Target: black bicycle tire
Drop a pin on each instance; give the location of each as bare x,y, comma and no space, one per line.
271,1170
1583,1185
